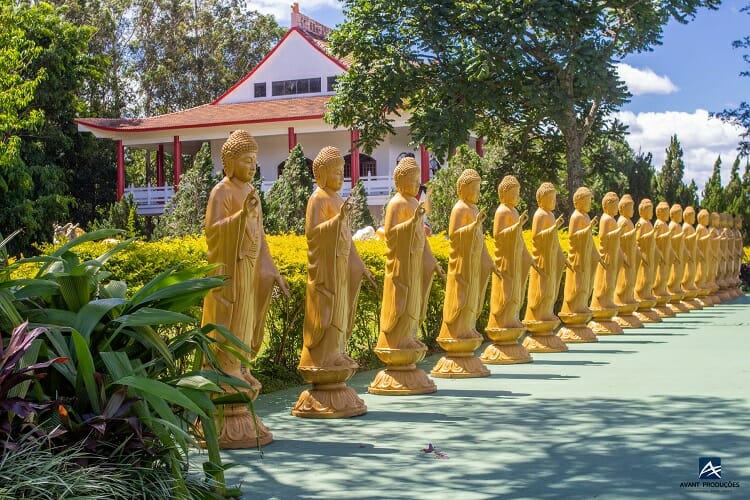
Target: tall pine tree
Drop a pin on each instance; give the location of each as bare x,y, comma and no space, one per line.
287,198
713,192
360,215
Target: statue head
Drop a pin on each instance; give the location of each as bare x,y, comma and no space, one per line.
625,207
328,168
662,211
468,185
689,215
546,196
582,199
646,209
610,202
715,219
703,217
407,177
509,191
239,155
675,213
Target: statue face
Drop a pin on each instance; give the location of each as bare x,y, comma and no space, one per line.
549,201
409,185
627,210
335,176
703,218
662,213
512,196
470,192
243,167
689,217
583,204
676,215
646,212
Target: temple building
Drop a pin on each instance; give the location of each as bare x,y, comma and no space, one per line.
281,102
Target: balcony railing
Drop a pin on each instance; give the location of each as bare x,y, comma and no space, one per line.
150,200
375,185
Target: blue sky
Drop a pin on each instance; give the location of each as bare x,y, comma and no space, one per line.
694,72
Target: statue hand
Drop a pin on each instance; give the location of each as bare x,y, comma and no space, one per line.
523,218
283,285
371,279
594,221
251,201
440,272
420,211
481,217
638,225
560,221
346,207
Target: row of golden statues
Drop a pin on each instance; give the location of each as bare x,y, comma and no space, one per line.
638,273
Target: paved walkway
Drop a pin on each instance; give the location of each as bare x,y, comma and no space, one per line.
627,417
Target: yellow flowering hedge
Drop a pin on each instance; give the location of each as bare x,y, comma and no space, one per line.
276,364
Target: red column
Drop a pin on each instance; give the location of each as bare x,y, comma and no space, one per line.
292,137
120,170
424,157
160,166
480,147
354,163
177,162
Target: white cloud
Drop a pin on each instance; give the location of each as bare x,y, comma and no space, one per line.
702,139
645,81
282,10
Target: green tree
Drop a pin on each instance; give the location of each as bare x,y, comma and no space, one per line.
287,198
360,215
42,62
670,186
713,192
741,114
457,65
186,212
733,192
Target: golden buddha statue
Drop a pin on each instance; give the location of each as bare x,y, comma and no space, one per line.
335,271
647,264
716,257
603,306
544,278
236,241
674,284
739,254
703,263
667,256
409,266
692,255
469,268
582,260
627,274
724,263
513,261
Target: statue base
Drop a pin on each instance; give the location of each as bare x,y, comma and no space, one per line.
693,304
646,313
505,349
705,300
459,360
575,330
738,292
603,324
662,309
542,338
626,317
329,396
724,295
676,304
401,377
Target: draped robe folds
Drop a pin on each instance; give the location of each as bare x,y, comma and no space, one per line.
691,258
626,277
604,278
578,280
724,252
513,261
703,264
715,257
644,283
664,245
334,275
469,266
674,285
236,241
549,257
409,266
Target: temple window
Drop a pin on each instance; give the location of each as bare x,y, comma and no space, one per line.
291,87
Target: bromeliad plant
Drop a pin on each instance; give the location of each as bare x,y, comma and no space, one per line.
134,376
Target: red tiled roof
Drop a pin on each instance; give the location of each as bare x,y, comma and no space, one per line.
211,115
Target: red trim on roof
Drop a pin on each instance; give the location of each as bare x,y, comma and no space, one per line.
205,125
288,33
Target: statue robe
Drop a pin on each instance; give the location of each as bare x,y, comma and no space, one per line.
605,278
674,285
664,245
544,287
583,260
703,264
626,277
691,258
644,282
